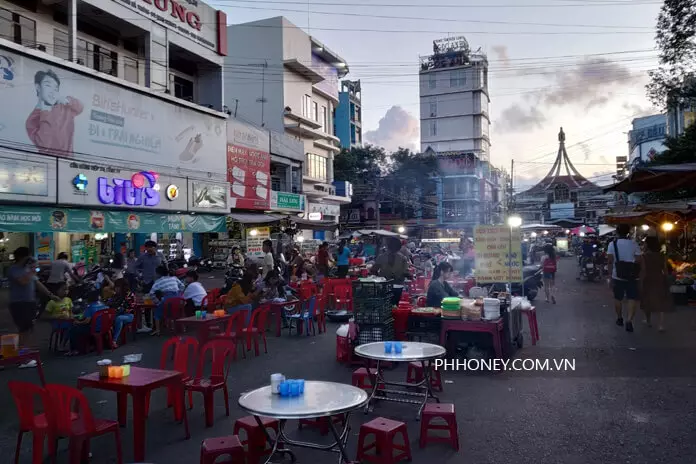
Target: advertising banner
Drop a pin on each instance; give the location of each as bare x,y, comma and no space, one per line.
46,219
248,166
254,243
494,261
329,85
93,184
209,197
285,201
325,210
27,177
60,112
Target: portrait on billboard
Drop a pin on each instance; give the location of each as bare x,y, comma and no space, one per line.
51,125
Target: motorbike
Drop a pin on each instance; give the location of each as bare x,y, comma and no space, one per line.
589,268
206,265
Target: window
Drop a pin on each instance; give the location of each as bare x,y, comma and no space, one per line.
183,88
88,54
130,70
458,78
324,119
433,128
105,60
158,58
315,166
61,47
561,193
17,28
306,106
433,108
315,111
431,81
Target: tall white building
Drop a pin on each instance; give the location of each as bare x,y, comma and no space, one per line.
454,99
280,78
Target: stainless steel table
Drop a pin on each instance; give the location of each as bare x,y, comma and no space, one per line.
411,351
320,399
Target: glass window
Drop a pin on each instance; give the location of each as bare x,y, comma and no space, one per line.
315,166
17,28
433,128
61,47
431,81
433,108
324,120
315,111
105,60
306,106
458,78
183,88
130,70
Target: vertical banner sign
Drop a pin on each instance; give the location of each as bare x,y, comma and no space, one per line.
248,166
494,260
255,243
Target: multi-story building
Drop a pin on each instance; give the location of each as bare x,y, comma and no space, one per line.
455,128
280,78
646,139
111,111
349,115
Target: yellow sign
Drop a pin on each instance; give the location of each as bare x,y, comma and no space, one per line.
254,243
492,245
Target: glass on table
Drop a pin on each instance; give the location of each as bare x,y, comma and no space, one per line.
387,347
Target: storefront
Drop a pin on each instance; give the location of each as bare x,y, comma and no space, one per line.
320,221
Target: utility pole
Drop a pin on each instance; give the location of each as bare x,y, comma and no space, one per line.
263,99
511,189
377,198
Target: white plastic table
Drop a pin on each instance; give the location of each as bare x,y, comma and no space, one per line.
320,399
411,351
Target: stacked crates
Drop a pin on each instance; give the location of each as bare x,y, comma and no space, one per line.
372,310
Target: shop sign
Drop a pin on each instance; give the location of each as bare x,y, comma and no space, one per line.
23,177
46,219
209,197
91,184
190,18
325,210
102,119
287,201
254,243
248,166
494,260
314,216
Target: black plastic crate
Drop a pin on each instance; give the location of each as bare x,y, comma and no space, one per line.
378,312
369,333
372,289
370,304
423,324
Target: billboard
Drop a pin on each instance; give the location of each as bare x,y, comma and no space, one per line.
26,177
495,260
562,211
329,85
60,112
248,166
208,197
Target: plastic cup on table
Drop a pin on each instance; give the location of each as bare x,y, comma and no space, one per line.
387,347
397,347
301,384
284,388
295,388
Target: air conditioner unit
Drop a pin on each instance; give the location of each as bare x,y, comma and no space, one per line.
332,191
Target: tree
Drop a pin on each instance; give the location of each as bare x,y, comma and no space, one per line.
673,82
360,165
681,149
409,174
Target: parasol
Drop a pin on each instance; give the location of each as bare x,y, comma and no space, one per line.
583,230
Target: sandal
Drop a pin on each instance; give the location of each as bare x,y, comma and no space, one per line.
155,333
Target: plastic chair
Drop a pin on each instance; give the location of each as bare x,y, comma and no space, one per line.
181,348
321,311
81,426
41,425
213,448
105,320
307,290
220,350
343,297
235,328
174,308
256,328
305,316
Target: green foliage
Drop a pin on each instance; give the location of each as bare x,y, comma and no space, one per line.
360,165
680,149
411,169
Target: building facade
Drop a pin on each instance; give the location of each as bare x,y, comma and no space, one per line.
646,139
349,115
291,87
116,132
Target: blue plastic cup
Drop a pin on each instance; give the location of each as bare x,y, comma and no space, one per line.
397,347
387,347
284,389
295,388
301,384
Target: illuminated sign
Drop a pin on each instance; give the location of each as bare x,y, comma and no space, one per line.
314,216
138,191
172,192
80,182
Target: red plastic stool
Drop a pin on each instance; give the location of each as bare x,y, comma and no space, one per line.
442,411
362,379
385,431
415,375
213,448
532,321
322,423
255,436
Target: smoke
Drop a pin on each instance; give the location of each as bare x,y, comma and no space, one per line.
517,119
398,128
501,52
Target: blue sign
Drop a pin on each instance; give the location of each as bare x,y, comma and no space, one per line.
140,190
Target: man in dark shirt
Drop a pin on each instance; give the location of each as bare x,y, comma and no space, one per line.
148,263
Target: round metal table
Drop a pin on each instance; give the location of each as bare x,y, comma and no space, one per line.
410,352
320,399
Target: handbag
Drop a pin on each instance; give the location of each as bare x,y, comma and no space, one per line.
625,270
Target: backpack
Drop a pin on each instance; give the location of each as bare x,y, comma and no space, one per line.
549,265
625,270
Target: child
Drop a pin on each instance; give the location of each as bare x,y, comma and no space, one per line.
60,312
81,326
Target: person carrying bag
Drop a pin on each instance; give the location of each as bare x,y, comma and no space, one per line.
624,268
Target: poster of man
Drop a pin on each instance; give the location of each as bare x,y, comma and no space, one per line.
51,125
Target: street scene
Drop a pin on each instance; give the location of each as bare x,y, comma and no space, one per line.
274,231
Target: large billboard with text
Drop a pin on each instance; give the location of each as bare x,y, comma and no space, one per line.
248,166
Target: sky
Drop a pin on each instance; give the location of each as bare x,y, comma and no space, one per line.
579,64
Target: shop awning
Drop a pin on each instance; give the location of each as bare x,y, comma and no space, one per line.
635,217
383,233
539,226
315,225
657,179
257,218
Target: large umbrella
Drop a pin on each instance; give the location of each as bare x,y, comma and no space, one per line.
583,230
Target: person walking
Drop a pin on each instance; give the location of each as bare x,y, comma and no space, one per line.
268,259
549,265
654,287
623,255
323,259
148,263
131,274
60,269
343,259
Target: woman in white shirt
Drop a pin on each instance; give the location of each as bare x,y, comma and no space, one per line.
194,292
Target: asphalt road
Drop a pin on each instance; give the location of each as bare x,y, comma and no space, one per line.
631,398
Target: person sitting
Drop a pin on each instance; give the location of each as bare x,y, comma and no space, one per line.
439,288
61,312
194,293
81,325
242,292
163,288
272,287
123,301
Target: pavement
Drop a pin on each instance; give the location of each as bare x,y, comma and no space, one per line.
631,398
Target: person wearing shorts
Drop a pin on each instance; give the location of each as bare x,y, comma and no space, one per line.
549,265
623,289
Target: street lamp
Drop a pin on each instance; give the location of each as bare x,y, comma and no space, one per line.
300,238
402,229
533,234
667,226
514,222
645,227
546,232
253,232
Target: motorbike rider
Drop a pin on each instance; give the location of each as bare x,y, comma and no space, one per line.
587,250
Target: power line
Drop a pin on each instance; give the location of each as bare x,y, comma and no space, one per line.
577,3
